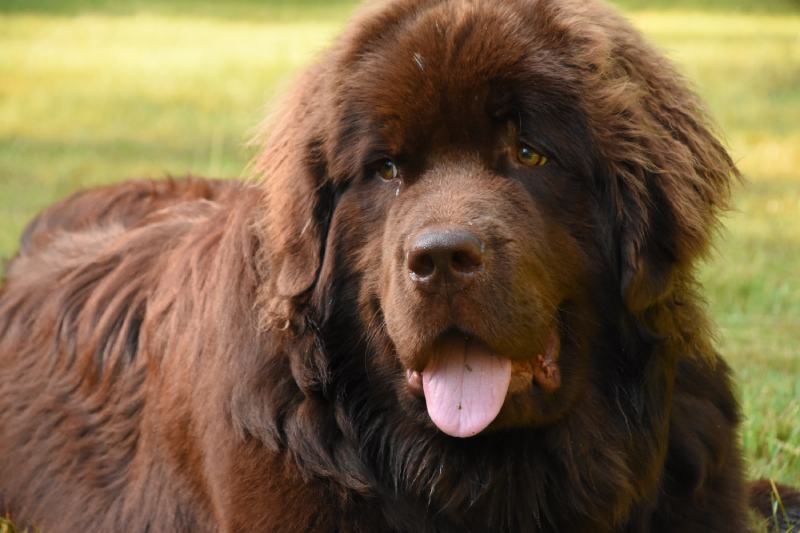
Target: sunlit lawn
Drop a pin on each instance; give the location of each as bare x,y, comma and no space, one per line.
132,89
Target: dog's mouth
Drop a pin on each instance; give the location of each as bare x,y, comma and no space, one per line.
466,384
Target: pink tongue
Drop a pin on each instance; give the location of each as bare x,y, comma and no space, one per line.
465,386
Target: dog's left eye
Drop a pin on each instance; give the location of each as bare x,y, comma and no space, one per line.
530,157
387,170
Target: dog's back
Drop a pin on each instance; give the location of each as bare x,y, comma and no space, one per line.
124,204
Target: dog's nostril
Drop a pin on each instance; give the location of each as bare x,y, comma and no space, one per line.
438,255
421,265
466,261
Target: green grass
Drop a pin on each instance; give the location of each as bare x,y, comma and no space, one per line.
95,91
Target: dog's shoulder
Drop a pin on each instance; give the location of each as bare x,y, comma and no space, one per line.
90,263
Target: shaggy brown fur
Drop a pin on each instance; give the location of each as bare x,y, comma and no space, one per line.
198,356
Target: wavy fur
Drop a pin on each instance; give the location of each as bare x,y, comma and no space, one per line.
215,356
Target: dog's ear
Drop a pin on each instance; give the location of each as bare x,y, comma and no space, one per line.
296,193
293,221
669,175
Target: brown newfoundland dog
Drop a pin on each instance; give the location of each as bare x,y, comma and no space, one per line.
462,298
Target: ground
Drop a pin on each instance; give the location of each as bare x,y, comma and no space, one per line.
95,91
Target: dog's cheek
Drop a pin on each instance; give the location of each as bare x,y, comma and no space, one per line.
386,264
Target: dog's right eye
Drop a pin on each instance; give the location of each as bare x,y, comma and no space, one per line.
387,170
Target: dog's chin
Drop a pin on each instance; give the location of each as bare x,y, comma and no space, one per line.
468,388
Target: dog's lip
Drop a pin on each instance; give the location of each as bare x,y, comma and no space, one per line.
540,368
414,381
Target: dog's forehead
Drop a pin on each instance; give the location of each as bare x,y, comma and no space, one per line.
448,65
469,41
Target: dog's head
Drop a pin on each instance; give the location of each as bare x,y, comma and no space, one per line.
469,197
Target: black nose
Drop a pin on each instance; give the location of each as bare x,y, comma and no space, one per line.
444,256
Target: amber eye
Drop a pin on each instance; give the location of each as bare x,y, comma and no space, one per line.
387,170
530,157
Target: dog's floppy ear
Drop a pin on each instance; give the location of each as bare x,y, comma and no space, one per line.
669,175
296,194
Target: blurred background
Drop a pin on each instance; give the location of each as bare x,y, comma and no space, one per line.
95,91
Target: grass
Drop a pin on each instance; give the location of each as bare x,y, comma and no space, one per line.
95,91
